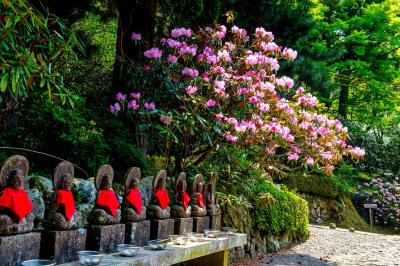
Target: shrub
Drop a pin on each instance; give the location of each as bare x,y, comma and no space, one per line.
286,214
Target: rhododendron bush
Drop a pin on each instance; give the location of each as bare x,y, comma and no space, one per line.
214,86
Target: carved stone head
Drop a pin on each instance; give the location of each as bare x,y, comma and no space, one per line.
66,181
106,182
16,179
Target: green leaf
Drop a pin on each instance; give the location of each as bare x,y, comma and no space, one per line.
42,81
3,84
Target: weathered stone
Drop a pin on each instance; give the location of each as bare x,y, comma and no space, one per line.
332,226
215,222
201,223
17,248
105,238
161,229
38,203
62,246
85,210
43,184
352,230
183,226
84,191
146,189
137,233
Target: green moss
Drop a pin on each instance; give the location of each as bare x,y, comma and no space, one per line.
321,185
286,214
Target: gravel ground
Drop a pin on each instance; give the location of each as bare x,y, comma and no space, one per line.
336,247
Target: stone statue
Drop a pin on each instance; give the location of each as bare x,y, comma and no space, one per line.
212,206
181,207
158,208
198,206
16,214
132,207
62,214
106,210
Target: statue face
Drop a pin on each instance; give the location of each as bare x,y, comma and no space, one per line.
16,179
106,184
182,186
200,187
161,183
134,183
66,182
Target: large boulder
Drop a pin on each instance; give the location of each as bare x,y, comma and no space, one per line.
84,191
85,210
43,185
38,204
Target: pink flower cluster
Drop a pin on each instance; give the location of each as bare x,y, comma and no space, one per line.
131,104
178,32
153,53
136,36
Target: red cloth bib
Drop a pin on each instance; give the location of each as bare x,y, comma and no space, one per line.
17,201
135,199
66,199
185,199
108,200
162,196
201,201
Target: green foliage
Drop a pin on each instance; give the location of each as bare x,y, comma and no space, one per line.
287,214
325,186
32,47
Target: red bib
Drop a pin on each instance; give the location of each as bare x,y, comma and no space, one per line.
200,199
108,200
17,201
185,199
135,199
66,199
162,196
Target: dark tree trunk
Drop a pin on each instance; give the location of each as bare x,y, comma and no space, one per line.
134,16
343,100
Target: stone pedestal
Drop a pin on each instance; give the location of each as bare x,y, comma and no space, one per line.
62,246
201,223
15,249
105,238
215,222
161,229
183,226
137,233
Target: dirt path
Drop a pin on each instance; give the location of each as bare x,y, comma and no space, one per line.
336,247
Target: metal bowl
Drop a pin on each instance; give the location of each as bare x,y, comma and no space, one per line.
212,233
128,250
195,237
38,263
90,258
158,244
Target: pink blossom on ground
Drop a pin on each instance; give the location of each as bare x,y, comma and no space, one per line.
153,53
150,106
136,36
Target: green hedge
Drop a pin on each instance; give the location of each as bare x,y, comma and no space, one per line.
321,185
287,214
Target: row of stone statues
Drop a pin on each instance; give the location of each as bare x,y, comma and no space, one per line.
16,214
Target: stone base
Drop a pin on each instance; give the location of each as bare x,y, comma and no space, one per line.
183,226
201,223
137,233
62,246
215,222
161,229
15,249
105,238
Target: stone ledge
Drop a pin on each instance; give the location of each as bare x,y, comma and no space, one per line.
174,253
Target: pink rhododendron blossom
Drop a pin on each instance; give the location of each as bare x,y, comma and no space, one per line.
211,103
292,157
136,36
295,149
178,32
133,105
166,119
117,107
150,106
289,53
172,59
173,43
191,90
153,53
135,95
112,109
231,138
190,72
309,160
120,96
251,60
264,107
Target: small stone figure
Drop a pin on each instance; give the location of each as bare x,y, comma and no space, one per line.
180,207
106,210
62,214
16,214
212,206
158,208
133,210
198,206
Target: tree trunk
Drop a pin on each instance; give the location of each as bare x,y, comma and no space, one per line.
343,100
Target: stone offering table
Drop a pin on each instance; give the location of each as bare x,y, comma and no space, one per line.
210,252
15,249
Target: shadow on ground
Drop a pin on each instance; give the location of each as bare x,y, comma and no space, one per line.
294,259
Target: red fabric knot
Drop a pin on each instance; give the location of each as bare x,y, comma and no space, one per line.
161,195
134,197
66,199
200,199
185,199
17,201
108,200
